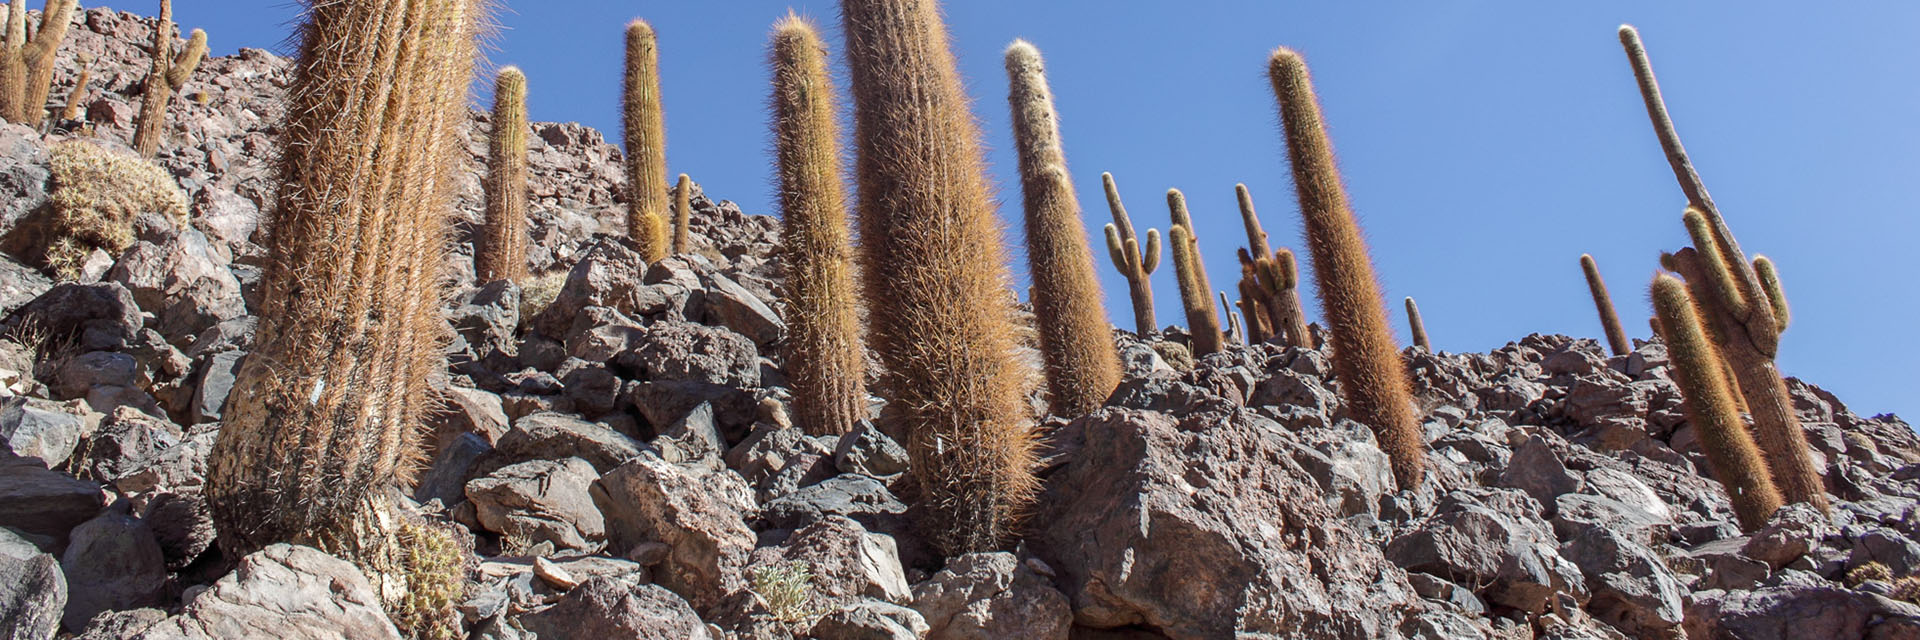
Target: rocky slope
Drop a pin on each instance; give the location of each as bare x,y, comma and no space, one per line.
621,455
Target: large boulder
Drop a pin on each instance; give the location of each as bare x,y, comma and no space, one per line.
112,563
100,316
184,283
38,429
1494,538
986,596
846,560
699,514
33,591
1792,612
286,592
1207,528
43,502
605,608
541,501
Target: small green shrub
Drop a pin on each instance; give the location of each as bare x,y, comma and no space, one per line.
97,194
787,590
538,292
1868,572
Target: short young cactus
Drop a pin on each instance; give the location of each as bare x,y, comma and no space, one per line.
1135,261
1609,320
682,214
501,250
167,76
1417,327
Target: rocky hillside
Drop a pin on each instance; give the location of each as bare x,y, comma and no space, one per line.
615,440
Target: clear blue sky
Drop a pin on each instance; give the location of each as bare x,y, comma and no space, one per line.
1486,145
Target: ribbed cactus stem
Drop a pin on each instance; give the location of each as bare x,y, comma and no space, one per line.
946,332
1280,276
682,214
1196,293
1134,262
1770,283
825,352
1076,344
501,253
76,97
1710,407
1256,237
26,61
325,414
167,76
1741,310
1603,303
1254,302
1373,378
1417,326
645,133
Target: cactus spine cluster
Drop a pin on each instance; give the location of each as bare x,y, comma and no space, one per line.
1135,262
501,253
645,134
1742,304
1710,406
1609,320
933,251
1372,376
1075,342
682,213
1196,293
1417,327
26,61
327,411
166,77
825,356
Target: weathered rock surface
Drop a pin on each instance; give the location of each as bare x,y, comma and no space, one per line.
283,591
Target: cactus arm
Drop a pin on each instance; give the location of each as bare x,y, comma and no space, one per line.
1289,272
1776,297
1116,250
1150,260
1114,205
1714,265
1177,210
16,25
54,20
189,60
1256,237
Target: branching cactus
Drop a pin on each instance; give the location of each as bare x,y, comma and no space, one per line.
1417,327
682,214
167,76
1279,280
1134,261
1710,407
1253,301
1609,320
932,251
826,358
1740,304
502,250
26,60
327,412
1196,293
645,134
1075,342
1373,378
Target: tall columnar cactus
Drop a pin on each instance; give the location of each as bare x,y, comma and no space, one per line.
933,252
1373,378
501,253
327,411
1710,406
1417,327
1196,293
645,133
79,94
26,60
682,214
826,358
1609,320
1075,341
1741,305
167,76
1134,261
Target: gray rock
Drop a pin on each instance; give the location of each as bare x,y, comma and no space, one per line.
605,608
987,596
541,501
80,374
119,625
38,429
871,620
1491,537
19,284
608,275
182,524
867,451
1537,470
694,438
699,515
33,591
856,496
215,383
738,309
282,591
43,502
112,563
552,436
445,479
184,283
684,352
101,316
1886,546
1793,531
1195,529
846,560
1792,613
1631,587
